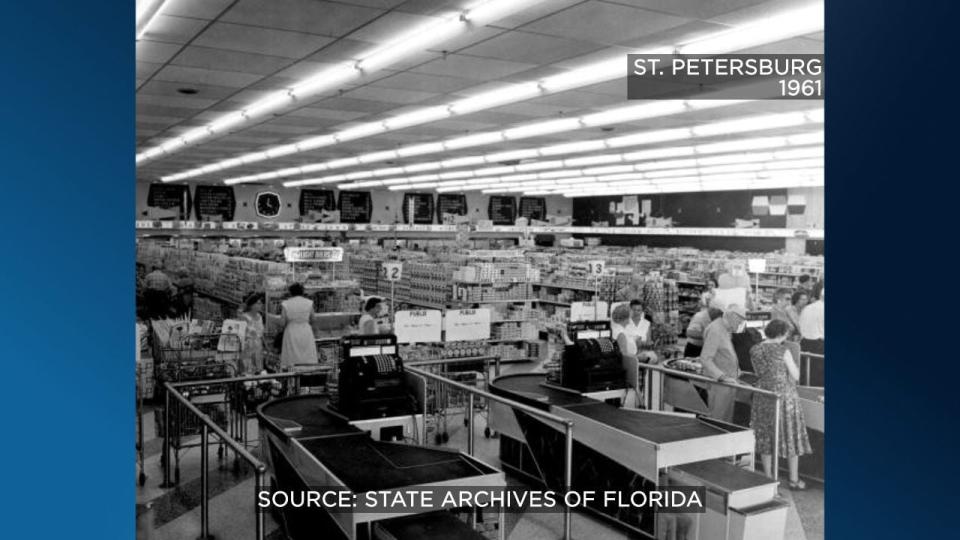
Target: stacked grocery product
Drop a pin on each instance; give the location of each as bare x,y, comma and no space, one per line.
428,282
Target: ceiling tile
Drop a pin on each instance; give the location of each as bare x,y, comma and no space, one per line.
167,88
308,16
173,29
388,95
534,12
694,9
380,4
156,51
184,74
145,70
758,11
187,102
327,114
264,41
604,23
203,9
224,60
530,48
391,26
423,82
469,67
357,105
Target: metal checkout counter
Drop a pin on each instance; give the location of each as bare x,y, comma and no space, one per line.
311,444
630,449
684,393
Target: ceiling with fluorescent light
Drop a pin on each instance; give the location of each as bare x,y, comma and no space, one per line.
234,52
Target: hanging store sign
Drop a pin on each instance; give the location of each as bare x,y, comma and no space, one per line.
589,311
304,254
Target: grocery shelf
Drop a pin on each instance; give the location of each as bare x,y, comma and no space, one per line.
554,302
571,287
285,229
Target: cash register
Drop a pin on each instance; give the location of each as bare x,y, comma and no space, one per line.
592,361
371,381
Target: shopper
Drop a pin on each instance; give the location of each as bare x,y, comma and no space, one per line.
638,326
299,345
156,294
811,333
780,309
777,372
185,290
251,355
623,331
804,284
699,323
372,311
719,360
798,301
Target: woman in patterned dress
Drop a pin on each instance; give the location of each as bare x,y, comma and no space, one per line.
774,365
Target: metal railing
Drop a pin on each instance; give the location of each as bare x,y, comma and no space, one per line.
208,425
650,368
805,361
475,392
173,392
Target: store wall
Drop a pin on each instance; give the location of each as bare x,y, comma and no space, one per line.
387,205
707,209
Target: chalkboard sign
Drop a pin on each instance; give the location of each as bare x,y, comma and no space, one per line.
167,196
451,203
533,208
316,200
355,207
419,206
502,210
215,202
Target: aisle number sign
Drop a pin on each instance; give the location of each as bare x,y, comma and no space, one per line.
467,324
318,254
391,271
423,326
595,268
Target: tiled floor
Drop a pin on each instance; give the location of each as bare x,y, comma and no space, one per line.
175,513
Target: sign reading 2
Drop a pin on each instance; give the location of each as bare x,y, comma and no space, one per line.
391,271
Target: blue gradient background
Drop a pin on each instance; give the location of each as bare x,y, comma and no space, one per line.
67,317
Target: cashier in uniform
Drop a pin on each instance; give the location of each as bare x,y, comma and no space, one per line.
719,360
372,311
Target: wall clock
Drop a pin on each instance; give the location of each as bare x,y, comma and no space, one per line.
268,204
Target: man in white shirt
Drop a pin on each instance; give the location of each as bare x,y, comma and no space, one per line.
811,333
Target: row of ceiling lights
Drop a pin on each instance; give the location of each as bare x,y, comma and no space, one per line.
790,23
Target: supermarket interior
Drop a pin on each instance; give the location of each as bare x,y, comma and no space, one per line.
389,244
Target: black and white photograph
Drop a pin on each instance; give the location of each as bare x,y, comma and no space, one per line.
479,269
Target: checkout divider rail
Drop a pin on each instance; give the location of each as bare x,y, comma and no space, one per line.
474,392
650,368
209,425
806,359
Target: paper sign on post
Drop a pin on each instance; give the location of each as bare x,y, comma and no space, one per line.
467,324
422,326
757,265
588,311
391,271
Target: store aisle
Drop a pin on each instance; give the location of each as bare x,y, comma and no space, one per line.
176,512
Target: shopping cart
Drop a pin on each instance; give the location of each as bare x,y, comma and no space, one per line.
142,475
443,402
197,358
